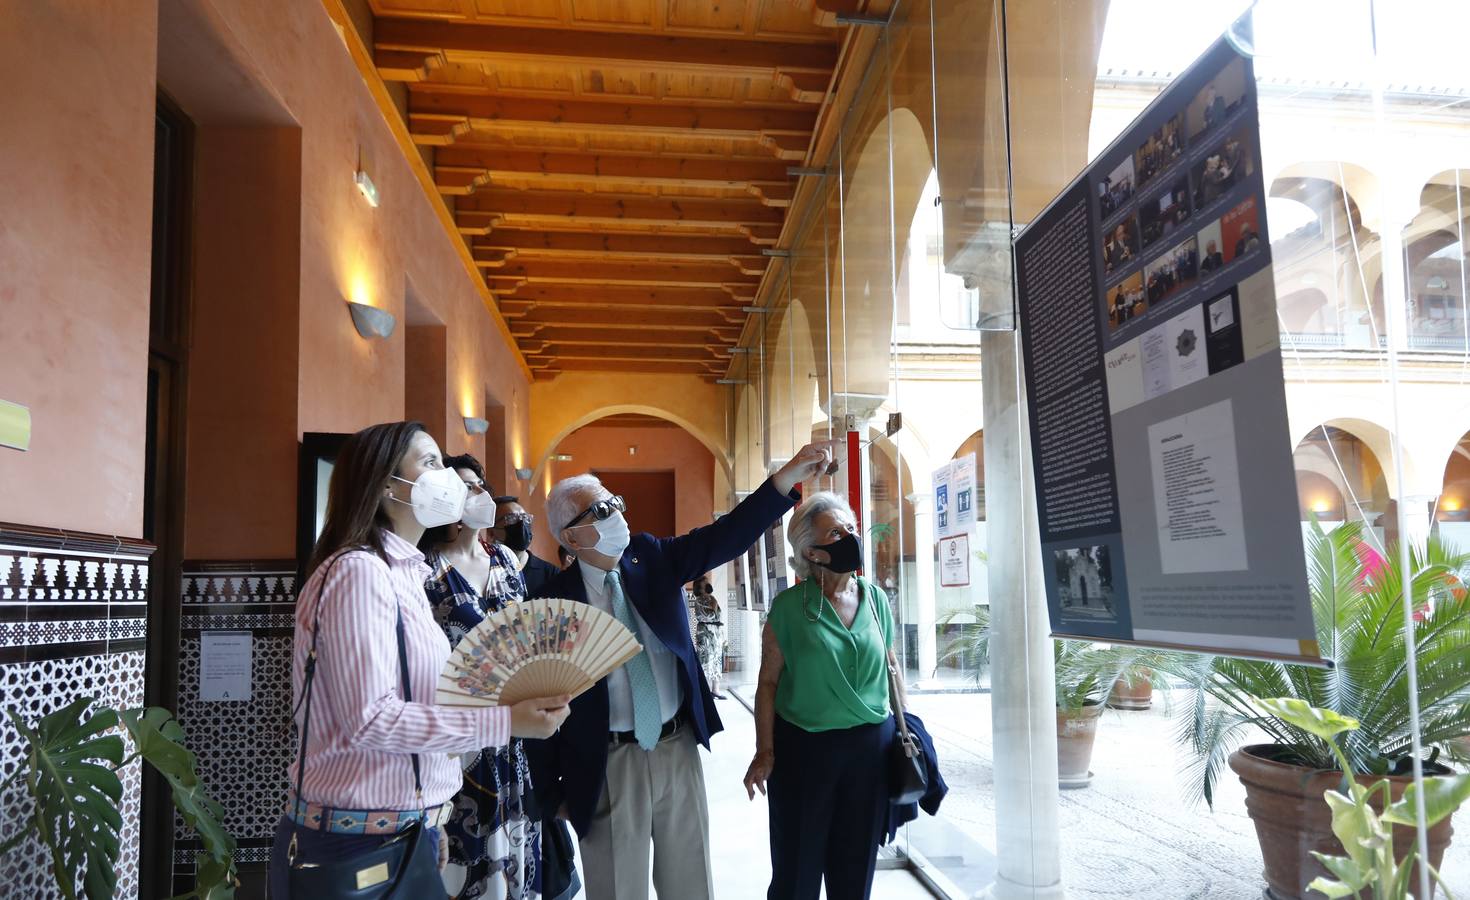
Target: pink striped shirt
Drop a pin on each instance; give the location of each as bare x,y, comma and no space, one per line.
362,731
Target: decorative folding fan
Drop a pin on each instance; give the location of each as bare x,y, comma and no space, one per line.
534,648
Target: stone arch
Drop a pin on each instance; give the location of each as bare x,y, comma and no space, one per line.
715,447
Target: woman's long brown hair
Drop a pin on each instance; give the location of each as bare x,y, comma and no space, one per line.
355,496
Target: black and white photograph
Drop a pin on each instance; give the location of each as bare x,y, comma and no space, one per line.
1161,150
1084,577
1173,272
1115,190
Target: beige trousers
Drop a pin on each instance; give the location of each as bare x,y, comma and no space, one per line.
652,799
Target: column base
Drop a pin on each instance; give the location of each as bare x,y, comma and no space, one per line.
1005,889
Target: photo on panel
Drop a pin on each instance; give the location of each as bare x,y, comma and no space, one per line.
1120,245
1175,271
1115,190
1223,341
1161,149
1159,216
1212,258
1126,301
1240,229
1229,163
1217,101
1084,580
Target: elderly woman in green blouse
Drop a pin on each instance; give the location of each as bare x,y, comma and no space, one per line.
823,722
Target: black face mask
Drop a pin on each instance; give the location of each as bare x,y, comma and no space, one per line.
845,553
518,536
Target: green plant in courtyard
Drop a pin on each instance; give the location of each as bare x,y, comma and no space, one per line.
1080,680
1365,832
972,645
1361,630
71,775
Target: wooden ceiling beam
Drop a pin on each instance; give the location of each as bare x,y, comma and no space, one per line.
620,297
695,171
549,368
571,244
667,337
478,42
569,205
488,112
662,274
563,352
622,319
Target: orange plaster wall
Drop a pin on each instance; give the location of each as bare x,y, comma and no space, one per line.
75,238
606,448
240,496
350,250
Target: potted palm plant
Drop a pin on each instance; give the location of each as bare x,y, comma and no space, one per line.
970,648
1082,685
1361,630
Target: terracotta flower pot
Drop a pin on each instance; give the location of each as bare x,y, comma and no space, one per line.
1076,732
1291,817
1137,695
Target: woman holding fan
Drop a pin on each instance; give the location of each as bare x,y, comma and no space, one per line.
372,774
495,828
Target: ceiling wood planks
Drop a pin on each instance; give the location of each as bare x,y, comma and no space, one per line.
616,168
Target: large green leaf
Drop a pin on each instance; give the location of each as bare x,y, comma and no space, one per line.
1322,723
1442,796
159,740
1353,824
75,797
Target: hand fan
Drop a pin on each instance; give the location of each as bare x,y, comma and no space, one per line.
534,648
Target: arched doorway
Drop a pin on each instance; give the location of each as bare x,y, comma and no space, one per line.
1339,479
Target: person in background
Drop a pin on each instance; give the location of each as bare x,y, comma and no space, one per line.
494,837
822,716
629,777
368,754
513,529
709,632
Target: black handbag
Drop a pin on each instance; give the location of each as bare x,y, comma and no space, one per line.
908,773
403,867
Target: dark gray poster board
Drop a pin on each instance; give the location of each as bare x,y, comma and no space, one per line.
1165,488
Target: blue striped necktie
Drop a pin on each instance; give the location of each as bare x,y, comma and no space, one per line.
647,711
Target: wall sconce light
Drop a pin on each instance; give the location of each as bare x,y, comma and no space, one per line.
632,449
473,425
563,457
364,183
524,474
370,321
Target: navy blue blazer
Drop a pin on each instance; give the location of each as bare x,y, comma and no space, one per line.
571,767
900,814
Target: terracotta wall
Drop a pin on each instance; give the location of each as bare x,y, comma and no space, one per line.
75,235
606,448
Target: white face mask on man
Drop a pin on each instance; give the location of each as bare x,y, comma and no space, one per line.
479,511
438,497
612,535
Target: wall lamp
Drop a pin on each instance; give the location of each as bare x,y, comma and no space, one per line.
370,321
473,425
562,457
524,474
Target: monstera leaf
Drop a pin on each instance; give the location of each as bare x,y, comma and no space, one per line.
75,799
71,777
159,738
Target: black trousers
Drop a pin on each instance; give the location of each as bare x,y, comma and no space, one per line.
828,805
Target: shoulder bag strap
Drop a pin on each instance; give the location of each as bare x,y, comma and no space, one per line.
308,680
418,785
903,725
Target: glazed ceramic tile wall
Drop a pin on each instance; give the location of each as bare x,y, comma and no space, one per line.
72,624
241,747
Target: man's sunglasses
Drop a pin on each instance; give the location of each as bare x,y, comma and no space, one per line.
600,510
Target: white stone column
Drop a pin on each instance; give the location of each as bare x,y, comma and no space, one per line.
923,588
1023,694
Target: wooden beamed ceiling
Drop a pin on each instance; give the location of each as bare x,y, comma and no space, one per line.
617,167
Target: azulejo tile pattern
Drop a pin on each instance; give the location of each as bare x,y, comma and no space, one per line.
73,623
241,748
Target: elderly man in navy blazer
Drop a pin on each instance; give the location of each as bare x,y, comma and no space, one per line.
625,768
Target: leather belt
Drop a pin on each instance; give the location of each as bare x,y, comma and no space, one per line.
628,737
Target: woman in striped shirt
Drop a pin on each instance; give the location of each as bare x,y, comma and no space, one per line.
364,578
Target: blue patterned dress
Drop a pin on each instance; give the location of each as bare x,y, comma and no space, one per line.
495,830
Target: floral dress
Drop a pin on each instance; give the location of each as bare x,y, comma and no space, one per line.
495,829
